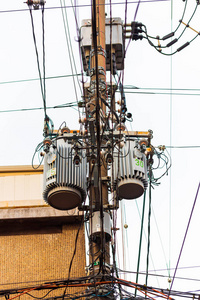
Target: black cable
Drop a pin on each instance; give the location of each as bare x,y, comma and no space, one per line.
70,265
188,21
39,108
157,48
171,34
44,71
42,296
38,63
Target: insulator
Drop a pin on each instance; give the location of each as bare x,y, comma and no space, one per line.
83,131
102,153
130,174
120,101
64,181
82,120
109,158
77,160
47,142
121,144
143,144
101,125
93,159
120,127
65,130
96,226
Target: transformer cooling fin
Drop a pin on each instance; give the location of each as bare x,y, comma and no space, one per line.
64,182
130,171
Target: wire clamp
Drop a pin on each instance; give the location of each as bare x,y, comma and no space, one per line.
101,71
35,3
100,51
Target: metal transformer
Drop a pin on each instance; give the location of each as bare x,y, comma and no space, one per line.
130,171
117,42
96,228
64,181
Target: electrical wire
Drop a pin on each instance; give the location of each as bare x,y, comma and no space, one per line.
35,79
44,67
38,63
82,5
161,243
158,275
174,276
68,36
158,93
149,224
159,47
72,104
69,51
109,285
182,147
71,262
140,242
132,87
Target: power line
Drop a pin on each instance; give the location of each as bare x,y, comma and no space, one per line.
182,147
82,5
126,87
159,47
72,104
157,275
70,50
35,79
176,268
132,87
159,93
42,84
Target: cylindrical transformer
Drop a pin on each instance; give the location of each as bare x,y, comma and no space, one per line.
130,171
96,226
64,181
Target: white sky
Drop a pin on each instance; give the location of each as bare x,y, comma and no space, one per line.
144,68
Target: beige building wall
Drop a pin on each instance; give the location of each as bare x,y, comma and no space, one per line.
21,186
36,241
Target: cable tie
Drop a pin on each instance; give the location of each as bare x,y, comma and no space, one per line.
172,42
168,36
159,45
187,25
182,47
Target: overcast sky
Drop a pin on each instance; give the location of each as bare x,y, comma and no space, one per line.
174,118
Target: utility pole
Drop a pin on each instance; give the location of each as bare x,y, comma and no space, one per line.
101,142
99,246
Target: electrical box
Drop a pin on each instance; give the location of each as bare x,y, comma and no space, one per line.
113,36
96,226
130,171
64,181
